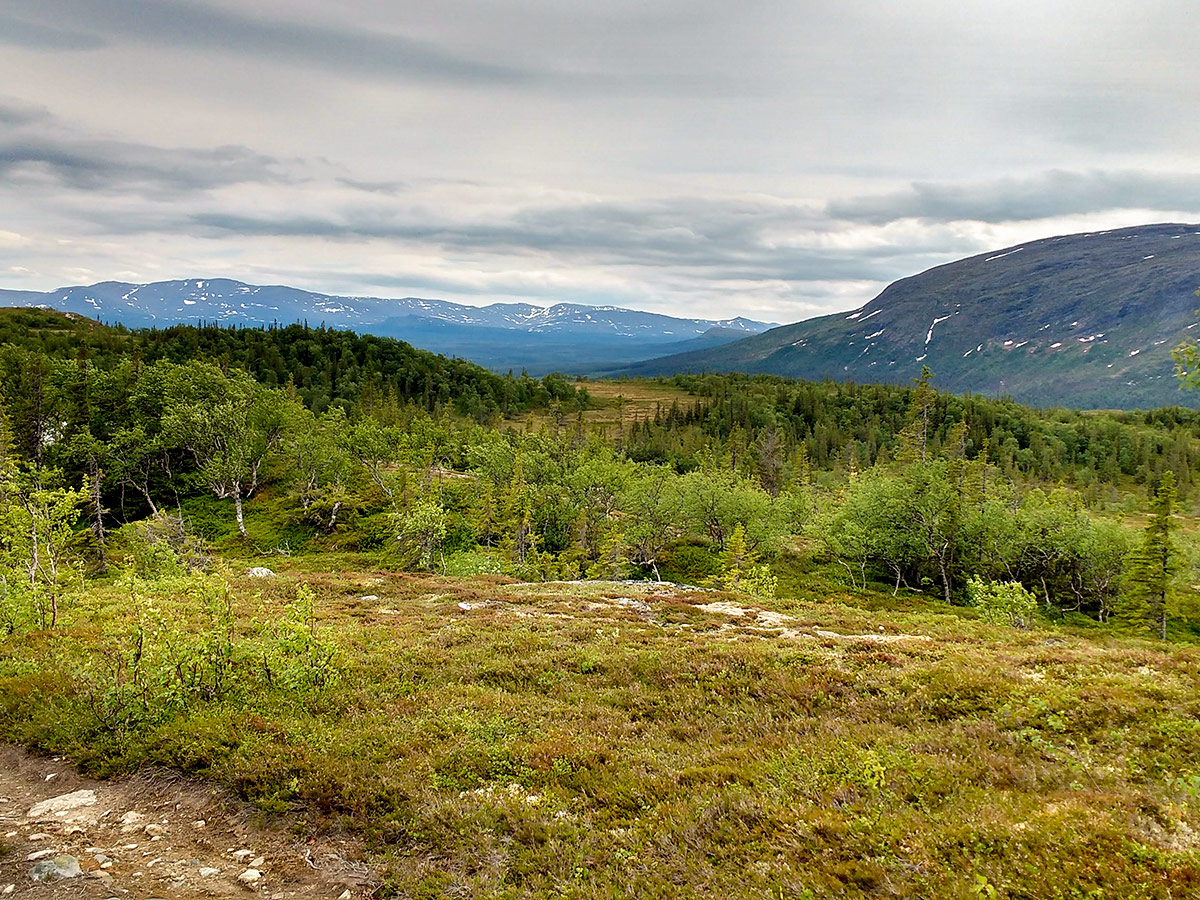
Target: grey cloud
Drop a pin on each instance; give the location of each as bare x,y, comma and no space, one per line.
373,187
112,165
726,241
39,150
1053,193
688,228
15,114
35,35
37,147
193,24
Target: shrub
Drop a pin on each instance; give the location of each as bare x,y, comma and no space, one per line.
421,531
1003,602
165,662
690,563
161,547
302,661
760,581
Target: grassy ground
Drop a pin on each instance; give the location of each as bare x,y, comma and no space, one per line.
640,398
497,739
616,404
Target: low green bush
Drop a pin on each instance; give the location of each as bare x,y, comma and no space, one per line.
1003,602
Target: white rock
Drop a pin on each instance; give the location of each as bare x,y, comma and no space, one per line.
256,863
259,572
345,895
73,807
208,871
8,889
243,855
39,854
250,876
38,837
155,830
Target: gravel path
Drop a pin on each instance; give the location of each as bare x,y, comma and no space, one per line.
160,836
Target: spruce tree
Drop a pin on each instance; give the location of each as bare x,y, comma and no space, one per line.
736,559
1154,561
914,438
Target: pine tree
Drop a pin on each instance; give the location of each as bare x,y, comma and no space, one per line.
736,559
1154,562
484,513
914,439
611,562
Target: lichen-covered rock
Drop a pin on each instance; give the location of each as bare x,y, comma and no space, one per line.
59,868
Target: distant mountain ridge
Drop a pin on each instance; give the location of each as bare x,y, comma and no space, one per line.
1084,320
567,336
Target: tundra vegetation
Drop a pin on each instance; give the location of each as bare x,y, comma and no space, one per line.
703,636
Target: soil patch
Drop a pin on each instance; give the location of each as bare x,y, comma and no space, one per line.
156,835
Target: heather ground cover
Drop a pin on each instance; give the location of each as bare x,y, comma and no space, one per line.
491,738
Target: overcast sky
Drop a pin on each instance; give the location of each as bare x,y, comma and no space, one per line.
771,158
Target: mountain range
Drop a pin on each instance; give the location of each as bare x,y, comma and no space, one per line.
1083,320
566,337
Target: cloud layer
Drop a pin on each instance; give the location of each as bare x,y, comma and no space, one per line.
778,160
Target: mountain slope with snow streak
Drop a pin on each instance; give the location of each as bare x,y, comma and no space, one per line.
1083,320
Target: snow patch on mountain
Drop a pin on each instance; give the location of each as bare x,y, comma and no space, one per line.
198,300
937,321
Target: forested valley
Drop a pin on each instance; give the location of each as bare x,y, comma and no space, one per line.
360,443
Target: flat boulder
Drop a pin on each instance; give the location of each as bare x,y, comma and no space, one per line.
75,807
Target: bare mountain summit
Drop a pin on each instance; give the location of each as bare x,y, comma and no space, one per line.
1082,320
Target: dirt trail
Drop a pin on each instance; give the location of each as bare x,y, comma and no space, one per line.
153,837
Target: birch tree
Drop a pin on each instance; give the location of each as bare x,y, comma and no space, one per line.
230,437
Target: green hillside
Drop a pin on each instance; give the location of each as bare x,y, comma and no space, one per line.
323,366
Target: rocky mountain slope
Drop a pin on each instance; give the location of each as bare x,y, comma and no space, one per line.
1083,320
566,336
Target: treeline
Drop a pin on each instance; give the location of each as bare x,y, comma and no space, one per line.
844,427
838,427
323,366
